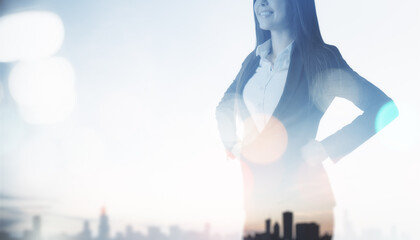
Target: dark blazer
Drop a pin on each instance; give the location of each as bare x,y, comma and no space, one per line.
302,105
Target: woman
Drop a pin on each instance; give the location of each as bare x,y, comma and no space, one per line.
277,100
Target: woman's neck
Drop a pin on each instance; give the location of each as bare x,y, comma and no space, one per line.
279,41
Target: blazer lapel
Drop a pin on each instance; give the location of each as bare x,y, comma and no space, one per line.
293,80
248,73
249,69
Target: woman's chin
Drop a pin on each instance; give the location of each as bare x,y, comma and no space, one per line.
266,26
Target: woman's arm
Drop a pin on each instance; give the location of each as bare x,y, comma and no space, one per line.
378,109
226,113
225,116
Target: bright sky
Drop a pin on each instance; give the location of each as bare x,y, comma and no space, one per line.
133,88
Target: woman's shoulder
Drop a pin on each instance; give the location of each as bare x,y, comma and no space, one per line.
250,57
330,56
251,60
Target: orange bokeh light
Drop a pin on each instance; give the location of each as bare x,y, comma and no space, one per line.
266,146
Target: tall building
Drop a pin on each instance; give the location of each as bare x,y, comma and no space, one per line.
86,234
36,225
288,225
307,231
267,226
103,231
175,232
276,234
129,232
155,233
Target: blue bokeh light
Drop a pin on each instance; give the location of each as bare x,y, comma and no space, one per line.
386,114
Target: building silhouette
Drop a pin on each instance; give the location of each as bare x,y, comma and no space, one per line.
267,225
175,233
288,225
328,237
103,231
304,231
129,232
276,233
86,233
36,226
32,234
155,233
307,231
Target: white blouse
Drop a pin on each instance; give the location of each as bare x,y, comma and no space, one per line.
264,89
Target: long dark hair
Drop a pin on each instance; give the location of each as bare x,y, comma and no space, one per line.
303,24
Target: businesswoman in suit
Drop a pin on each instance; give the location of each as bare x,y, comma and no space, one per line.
269,116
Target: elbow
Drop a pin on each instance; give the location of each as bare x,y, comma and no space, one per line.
386,114
220,109
226,107
396,111
219,112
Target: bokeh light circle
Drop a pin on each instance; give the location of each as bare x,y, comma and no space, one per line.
43,90
386,114
266,146
30,35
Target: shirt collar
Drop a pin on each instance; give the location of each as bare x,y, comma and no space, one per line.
282,60
264,49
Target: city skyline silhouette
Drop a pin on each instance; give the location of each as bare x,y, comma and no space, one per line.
299,231
302,230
